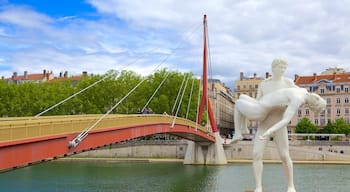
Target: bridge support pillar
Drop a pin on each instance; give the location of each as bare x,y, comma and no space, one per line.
212,154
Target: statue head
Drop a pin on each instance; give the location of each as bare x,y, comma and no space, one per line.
316,103
279,66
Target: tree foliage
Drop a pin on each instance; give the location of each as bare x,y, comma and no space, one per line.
305,126
29,99
337,126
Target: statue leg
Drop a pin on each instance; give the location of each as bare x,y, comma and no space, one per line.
281,140
240,126
258,152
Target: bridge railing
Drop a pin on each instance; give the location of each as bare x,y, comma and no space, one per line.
12,129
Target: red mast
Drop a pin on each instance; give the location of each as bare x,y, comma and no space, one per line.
204,99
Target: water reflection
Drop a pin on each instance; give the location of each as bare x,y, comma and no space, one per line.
169,177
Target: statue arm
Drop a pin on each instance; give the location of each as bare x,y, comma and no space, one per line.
287,117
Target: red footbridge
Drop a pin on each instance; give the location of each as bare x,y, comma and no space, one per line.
24,141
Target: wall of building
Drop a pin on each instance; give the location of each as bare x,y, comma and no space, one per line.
334,89
221,99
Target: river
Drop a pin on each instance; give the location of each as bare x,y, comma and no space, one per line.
169,177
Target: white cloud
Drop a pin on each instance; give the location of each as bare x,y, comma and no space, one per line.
245,35
23,16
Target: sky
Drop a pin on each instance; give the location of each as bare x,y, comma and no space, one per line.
143,36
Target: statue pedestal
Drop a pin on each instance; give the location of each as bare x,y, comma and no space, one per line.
206,154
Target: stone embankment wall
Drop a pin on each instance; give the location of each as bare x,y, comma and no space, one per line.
301,151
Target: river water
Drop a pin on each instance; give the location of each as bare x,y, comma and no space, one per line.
169,177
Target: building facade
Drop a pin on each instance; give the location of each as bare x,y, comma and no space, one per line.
249,86
222,102
334,88
26,77
44,77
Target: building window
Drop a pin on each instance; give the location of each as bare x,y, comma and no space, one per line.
299,113
256,86
250,86
322,91
346,100
316,121
244,87
338,111
322,121
328,111
238,87
307,111
338,100
346,110
346,89
338,90
329,100
347,120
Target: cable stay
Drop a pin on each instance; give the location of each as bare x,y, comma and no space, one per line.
189,100
79,138
84,134
154,93
115,72
198,102
179,106
178,93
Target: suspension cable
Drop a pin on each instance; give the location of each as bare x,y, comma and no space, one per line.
199,93
154,93
85,132
189,100
93,84
179,106
178,93
96,82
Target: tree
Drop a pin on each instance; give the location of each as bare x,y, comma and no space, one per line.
337,126
305,126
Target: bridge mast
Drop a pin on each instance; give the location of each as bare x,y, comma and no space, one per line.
205,99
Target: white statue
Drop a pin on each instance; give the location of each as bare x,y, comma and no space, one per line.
290,98
277,101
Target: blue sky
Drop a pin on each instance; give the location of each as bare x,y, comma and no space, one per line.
245,35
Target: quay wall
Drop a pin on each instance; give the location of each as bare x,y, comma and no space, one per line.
299,151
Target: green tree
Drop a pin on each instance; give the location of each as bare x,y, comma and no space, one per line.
305,126
341,127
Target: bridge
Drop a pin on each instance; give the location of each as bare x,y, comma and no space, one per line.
28,140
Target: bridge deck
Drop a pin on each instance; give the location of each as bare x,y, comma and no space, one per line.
28,140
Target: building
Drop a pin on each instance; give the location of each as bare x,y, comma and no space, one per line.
222,102
37,78
43,77
334,88
64,77
249,86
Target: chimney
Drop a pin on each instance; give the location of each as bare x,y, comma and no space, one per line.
44,72
65,74
254,75
296,77
267,75
25,75
61,74
241,76
84,73
14,74
315,76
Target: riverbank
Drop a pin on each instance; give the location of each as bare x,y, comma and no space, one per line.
173,160
240,152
